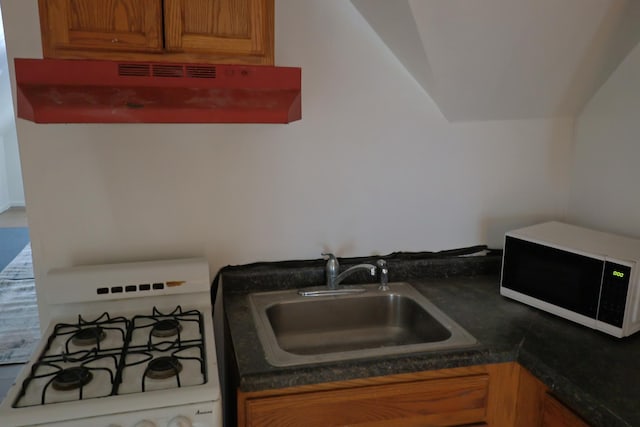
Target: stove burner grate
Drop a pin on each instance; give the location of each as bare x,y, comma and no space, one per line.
104,365
163,367
72,378
89,336
166,328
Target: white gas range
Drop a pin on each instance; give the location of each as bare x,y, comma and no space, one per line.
130,345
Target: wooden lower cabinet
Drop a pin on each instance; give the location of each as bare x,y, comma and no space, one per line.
538,408
555,414
499,395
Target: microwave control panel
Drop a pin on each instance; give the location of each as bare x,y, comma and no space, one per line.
613,295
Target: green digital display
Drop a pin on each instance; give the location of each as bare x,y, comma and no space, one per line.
617,273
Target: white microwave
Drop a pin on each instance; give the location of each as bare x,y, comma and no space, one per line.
583,275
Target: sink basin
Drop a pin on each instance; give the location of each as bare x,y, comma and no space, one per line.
296,330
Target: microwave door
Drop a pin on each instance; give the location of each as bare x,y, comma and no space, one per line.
556,277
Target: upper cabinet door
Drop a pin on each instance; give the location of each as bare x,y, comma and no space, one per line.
225,29
100,25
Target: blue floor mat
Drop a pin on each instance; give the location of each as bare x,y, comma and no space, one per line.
12,241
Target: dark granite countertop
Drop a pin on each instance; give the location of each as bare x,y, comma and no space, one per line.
594,374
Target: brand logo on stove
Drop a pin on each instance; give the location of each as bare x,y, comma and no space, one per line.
199,412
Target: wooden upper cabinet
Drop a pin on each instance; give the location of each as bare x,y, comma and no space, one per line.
70,27
219,27
209,31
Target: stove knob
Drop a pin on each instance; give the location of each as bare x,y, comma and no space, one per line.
180,421
146,423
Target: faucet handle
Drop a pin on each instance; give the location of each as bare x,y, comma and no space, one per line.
384,275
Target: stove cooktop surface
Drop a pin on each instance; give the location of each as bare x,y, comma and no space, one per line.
114,355
144,350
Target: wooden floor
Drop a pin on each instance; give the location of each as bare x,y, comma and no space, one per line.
14,217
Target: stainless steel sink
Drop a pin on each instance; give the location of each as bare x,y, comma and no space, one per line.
297,330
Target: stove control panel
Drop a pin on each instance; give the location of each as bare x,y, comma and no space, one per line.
179,421
200,415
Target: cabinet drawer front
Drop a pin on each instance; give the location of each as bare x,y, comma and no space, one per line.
440,402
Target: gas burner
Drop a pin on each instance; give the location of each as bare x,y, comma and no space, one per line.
72,378
88,336
163,367
166,328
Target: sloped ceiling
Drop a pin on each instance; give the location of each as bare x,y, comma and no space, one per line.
507,59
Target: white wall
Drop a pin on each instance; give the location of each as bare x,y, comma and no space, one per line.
13,171
11,192
4,186
606,171
371,168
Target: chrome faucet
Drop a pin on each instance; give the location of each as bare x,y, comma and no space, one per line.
333,279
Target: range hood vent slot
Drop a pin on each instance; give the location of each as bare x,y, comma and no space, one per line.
139,70
201,72
168,70
83,91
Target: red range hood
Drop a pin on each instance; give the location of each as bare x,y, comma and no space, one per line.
80,91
